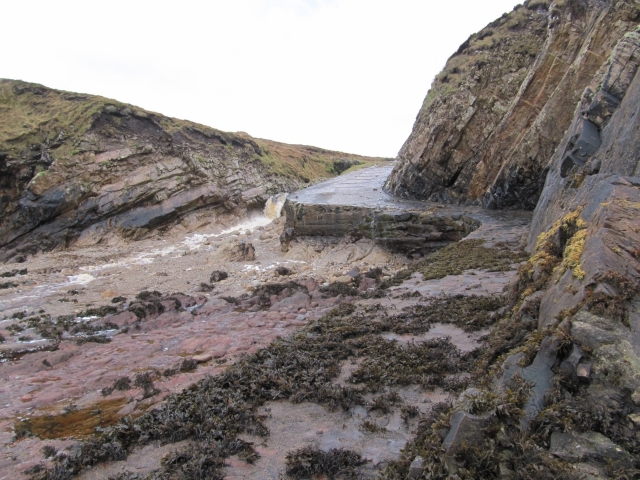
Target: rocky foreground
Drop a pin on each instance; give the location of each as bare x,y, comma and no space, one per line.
364,336
105,338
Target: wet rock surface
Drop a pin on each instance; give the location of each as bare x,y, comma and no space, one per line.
77,168
356,206
160,341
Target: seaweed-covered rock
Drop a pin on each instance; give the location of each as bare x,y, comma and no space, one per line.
580,447
465,427
241,252
217,276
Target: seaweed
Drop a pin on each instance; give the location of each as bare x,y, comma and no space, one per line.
307,462
99,311
457,257
301,367
471,313
188,365
217,276
198,462
121,384
387,363
93,339
13,273
384,402
371,427
49,451
145,381
146,295
339,288
279,289
15,328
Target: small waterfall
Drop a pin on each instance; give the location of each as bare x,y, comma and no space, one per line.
273,208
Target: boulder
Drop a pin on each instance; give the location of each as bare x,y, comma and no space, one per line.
590,336
465,427
416,468
217,276
583,372
539,374
202,358
570,365
587,446
283,271
242,252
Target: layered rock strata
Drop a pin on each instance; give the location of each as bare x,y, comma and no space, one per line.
76,167
581,287
495,115
400,231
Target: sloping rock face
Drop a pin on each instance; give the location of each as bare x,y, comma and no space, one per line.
75,167
494,117
585,274
598,181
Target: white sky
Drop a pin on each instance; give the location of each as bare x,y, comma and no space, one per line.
346,75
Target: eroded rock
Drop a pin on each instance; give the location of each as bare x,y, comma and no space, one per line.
580,447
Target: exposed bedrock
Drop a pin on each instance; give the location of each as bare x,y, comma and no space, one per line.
76,167
354,205
600,187
496,114
583,280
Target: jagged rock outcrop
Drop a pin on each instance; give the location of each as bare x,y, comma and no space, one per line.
496,114
600,187
585,276
579,374
76,167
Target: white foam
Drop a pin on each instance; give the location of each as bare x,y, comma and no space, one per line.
196,240
81,279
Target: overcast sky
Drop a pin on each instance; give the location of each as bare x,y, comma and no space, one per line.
346,75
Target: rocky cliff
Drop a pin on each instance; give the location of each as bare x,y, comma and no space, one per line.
74,168
495,115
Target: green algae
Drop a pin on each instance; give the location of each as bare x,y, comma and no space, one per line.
459,257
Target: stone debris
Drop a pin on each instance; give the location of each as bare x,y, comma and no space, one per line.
416,468
581,447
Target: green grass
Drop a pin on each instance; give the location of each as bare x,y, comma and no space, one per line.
32,115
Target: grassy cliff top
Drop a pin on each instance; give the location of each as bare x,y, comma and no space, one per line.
34,117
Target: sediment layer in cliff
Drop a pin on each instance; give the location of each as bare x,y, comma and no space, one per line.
495,115
75,167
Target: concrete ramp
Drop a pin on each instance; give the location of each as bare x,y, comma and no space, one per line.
356,205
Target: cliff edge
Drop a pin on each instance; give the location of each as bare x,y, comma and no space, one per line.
495,115
75,167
